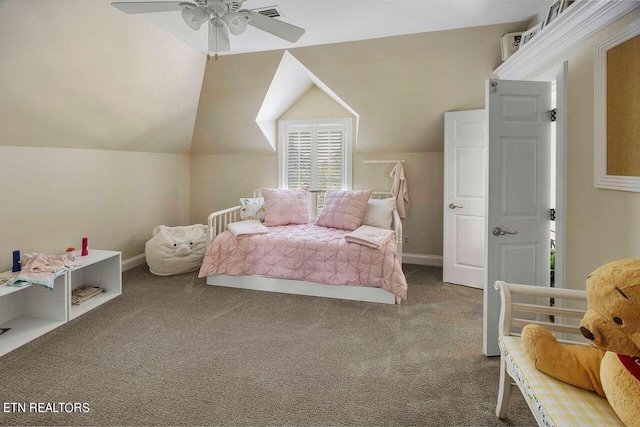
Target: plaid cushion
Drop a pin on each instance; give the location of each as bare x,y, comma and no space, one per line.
554,402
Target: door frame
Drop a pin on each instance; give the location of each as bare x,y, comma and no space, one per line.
446,199
558,75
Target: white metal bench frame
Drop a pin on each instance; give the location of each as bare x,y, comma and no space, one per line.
515,315
218,221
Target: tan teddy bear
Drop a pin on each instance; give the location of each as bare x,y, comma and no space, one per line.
612,324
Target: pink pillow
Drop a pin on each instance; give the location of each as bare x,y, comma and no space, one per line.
344,209
282,207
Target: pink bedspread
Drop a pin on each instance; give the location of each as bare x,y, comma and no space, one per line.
306,252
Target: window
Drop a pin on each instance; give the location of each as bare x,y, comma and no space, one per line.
315,155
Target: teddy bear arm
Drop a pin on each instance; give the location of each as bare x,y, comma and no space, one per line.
574,364
622,389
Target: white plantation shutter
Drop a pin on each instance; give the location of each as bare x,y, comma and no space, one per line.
329,157
315,156
299,157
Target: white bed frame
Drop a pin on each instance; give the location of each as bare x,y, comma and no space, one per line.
218,223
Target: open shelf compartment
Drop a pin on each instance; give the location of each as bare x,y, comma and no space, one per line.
99,268
31,311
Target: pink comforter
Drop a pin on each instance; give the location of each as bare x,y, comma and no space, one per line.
306,252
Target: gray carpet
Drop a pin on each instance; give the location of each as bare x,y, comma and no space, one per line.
174,351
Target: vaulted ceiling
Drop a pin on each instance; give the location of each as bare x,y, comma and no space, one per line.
336,21
82,74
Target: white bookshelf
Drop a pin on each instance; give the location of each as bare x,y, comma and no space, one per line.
31,311
99,268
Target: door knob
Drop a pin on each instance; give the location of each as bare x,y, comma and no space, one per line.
452,206
500,232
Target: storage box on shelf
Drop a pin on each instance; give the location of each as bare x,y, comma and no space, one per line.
99,268
31,311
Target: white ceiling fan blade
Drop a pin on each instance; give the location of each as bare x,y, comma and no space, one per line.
218,37
280,29
149,7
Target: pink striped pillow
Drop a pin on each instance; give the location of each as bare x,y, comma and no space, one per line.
282,207
344,208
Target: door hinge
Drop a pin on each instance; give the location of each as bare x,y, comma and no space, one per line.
553,215
552,114
494,85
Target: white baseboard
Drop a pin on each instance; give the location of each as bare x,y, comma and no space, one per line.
421,259
132,262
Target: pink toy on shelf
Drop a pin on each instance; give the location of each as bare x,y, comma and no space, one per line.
85,246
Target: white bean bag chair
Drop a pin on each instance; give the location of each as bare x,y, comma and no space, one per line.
176,250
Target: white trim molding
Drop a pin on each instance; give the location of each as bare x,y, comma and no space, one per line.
422,259
578,22
132,262
601,178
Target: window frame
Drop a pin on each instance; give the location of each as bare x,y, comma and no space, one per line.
283,125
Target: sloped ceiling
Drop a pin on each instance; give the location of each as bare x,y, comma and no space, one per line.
75,74
400,87
291,81
336,21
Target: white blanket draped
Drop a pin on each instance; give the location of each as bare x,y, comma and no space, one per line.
372,237
247,228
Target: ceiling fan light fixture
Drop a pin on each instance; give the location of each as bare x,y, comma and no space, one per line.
194,16
237,23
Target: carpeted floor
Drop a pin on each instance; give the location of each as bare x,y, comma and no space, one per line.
174,351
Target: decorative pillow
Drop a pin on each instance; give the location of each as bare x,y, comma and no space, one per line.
282,207
379,212
344,208
252,209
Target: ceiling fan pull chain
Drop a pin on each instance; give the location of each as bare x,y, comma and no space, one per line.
216,55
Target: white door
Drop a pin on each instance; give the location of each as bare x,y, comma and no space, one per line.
464,193
518,192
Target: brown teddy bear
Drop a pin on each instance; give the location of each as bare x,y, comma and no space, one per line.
612,323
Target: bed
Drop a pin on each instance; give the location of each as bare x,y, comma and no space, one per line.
305,259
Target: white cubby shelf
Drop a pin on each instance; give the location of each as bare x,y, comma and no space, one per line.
99,268
33,310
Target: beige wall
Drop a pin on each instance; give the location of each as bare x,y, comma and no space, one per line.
316,104
424,171
52,197
82,74
400,86
219,180
79,77
602,225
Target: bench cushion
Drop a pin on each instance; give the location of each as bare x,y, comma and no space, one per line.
553,402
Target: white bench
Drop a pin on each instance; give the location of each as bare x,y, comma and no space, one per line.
552,402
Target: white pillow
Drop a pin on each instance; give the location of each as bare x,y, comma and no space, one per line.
252,209
379,212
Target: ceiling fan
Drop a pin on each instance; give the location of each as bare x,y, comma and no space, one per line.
223,17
